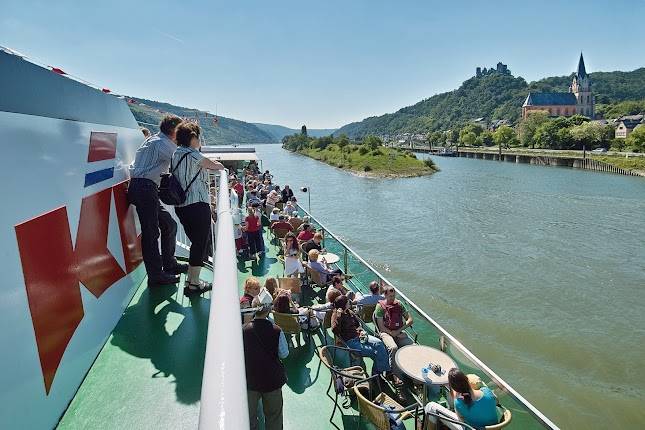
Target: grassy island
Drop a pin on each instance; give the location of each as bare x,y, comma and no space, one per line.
365,158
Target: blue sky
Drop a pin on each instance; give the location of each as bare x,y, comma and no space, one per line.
322,64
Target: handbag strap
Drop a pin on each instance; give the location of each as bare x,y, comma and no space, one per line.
172,170
191,182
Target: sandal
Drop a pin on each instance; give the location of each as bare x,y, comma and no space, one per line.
197,289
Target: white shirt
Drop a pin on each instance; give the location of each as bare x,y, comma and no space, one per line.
186,171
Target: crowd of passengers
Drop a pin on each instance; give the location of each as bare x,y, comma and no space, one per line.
302,250
176,150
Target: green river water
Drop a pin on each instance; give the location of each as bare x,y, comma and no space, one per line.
540,271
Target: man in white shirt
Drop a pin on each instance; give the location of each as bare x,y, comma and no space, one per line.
151,161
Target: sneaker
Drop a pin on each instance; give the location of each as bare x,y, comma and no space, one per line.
178,269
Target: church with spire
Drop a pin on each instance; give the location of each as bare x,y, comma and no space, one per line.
578,101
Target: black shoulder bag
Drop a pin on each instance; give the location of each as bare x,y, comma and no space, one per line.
170,190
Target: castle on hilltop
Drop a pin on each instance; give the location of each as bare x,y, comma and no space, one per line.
501,68
578,101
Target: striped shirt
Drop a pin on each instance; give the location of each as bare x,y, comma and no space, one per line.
186,171
153,158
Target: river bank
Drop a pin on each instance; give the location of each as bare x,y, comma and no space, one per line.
632,165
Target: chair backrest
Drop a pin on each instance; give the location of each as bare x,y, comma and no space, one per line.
280,233
325,357
291,284
370,410
327,320
366,312
295,222
287,322
506,420
315,276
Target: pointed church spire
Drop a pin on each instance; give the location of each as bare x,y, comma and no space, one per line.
581,67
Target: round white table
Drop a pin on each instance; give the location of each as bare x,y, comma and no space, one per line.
329,257
412,358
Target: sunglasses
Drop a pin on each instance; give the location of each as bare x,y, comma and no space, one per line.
390,290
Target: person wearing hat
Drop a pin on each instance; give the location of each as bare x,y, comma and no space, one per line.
272,198
264,346
289,209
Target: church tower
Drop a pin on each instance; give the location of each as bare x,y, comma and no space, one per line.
581,88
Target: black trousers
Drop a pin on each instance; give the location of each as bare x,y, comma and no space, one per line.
144,195
196,219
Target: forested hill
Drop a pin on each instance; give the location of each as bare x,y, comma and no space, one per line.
492,96
226,131
279,131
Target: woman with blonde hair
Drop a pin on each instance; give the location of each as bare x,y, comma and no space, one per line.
251,291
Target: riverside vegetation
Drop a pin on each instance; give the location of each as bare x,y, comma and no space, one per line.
367,157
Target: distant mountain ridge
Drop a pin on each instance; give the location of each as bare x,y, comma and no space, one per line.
493,96
226,131
279,131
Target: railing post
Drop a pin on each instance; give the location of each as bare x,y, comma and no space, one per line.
345,260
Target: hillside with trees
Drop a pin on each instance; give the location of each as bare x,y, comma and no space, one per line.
216,130
494,96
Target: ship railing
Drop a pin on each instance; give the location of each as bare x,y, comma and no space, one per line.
223,398
431,333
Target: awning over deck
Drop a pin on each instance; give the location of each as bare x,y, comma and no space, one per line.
230,153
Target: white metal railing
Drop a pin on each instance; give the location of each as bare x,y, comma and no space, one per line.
223,399
543,419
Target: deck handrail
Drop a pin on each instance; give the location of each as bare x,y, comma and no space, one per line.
453,340
223,397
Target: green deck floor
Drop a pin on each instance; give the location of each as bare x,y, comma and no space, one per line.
148,375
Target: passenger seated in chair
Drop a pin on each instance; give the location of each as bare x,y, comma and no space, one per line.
392,319
314,243
272,198
286,194
321,309
321,266
337,286
289,208
305,232
370,299
345,325
475,407
271,285
251,291
285,305
275,215
253,199
281,224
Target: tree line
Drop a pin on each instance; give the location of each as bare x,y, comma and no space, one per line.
539,130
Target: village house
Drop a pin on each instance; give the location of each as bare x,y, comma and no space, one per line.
626,124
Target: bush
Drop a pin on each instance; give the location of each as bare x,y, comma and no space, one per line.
429,163
367,168
363,150
377,152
